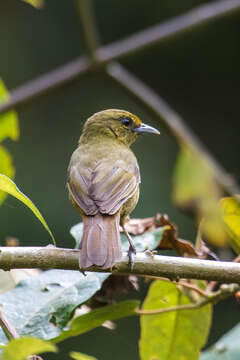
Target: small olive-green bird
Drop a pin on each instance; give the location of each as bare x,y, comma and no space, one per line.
103,183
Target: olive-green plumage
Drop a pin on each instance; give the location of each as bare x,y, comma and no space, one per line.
103,182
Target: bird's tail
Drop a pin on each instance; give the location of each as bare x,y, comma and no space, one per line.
101,244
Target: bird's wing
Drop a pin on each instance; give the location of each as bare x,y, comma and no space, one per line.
103,188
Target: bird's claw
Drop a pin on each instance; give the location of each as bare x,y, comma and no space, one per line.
131,255
150,252
83,272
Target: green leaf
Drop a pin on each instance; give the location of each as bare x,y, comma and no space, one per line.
20,349
9,120
80,356
8,128
148,240
194,185
35,3
96,318
173,335
230,208
227,348
41,306
6,167
7,185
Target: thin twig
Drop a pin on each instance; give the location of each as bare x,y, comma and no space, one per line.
182,283
119,49
173,121
211,285
8,329
224,292
193,287
191,306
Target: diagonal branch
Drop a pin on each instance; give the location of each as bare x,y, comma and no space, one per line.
161,266
172,120
194,18
49,81
119,49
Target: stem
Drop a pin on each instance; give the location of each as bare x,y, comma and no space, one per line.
7,327
191,306
160,266
224,292
182,283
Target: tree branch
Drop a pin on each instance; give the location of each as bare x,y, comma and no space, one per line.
162,266
171,119
167,30
119,49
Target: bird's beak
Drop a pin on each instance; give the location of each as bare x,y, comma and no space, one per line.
146,129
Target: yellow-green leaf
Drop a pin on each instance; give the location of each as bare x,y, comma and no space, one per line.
230,208
79,356
20,349
173,335
8,121
195,186
6,167
7,185
35,3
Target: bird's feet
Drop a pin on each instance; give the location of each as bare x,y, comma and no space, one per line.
131,256
131,251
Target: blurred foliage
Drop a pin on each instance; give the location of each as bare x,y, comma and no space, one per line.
195,188
8,128
8,121
36,3
20,349
7,168
79,356
230,208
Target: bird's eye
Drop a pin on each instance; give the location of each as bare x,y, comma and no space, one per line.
126,121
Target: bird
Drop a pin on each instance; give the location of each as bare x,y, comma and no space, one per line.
103,180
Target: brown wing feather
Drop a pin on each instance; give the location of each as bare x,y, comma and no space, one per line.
105,188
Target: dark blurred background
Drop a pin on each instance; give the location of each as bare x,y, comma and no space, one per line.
197,73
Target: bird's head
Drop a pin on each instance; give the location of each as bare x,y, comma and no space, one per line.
116,124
